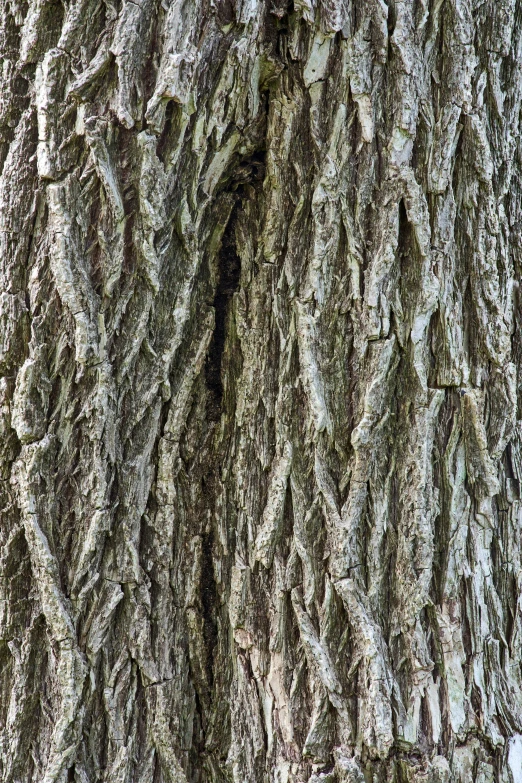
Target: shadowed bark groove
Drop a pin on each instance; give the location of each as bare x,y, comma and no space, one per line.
260,391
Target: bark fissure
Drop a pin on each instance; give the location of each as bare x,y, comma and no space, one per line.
228,274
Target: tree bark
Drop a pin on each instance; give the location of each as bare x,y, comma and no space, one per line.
260,359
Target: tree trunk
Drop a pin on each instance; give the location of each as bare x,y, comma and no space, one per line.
260,358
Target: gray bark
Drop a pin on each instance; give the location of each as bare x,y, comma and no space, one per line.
260,359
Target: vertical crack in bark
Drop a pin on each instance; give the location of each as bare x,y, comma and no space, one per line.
210,603
250,170
229,269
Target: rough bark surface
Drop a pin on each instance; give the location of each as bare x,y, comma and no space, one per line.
260,395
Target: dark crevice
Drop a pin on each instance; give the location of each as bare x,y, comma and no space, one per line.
404,227
172,113
408,270
391,21
229,269
248,172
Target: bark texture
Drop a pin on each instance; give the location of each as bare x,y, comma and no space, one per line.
260,395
